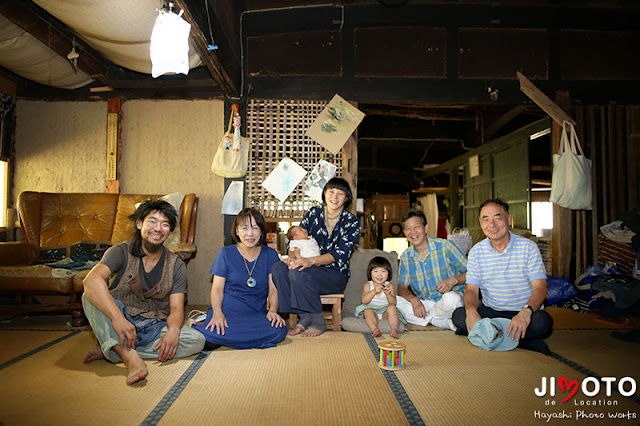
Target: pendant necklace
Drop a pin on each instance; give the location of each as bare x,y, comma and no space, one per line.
251,282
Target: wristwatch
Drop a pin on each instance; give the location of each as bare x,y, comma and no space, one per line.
528,307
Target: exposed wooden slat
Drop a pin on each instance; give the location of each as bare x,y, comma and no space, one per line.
543,101
561,235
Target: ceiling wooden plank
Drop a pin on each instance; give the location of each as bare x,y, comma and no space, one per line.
223,72
53,33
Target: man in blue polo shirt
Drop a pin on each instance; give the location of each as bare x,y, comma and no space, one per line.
508,270
431,275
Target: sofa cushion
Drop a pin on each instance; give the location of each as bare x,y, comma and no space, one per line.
36,278
67,219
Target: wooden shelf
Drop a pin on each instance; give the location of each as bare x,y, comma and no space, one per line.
282,219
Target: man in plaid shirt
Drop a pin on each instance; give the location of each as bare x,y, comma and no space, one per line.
431,276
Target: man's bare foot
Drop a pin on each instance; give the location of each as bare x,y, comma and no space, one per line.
394,333
311,332
136,366
376,332
93,355
296,330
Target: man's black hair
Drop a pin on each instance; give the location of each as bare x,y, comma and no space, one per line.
497,202
415,213
144,210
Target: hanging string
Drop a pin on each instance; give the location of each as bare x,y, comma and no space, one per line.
211,46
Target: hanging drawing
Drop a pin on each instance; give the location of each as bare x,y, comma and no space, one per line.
322,172
335,124
233,198
284,178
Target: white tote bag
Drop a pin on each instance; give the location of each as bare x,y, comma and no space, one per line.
571,179
232,156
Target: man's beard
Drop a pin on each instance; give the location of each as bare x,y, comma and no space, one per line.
151,248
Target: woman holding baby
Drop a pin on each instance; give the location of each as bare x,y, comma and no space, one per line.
301,280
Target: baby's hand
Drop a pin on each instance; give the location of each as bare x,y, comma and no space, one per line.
387,288
378,288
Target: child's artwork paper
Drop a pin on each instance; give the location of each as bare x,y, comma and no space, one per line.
335,124
322,172
232,201
284,178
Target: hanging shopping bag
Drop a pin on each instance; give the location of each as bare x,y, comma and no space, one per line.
232,157
571,178
462,239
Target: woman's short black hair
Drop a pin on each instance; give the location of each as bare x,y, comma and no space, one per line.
342,185
254,216
379,262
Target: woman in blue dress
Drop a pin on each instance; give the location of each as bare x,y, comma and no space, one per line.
238,316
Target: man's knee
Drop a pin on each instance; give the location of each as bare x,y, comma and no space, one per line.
541,324
459,318
452,300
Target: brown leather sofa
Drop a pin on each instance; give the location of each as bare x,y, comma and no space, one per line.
59,222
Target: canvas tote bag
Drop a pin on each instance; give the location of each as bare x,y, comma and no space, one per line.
571,178
232,157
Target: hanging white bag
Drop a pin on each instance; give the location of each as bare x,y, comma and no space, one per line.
571,178
232,156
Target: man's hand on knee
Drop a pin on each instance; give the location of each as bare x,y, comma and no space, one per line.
418,308
126,331
472,317
518,326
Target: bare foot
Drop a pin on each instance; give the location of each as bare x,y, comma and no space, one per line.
311,332
296,330
136,366
376,332
93,355
394,333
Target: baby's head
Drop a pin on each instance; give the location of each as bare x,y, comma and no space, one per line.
297,233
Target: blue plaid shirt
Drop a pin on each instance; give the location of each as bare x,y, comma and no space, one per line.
443,260
342,240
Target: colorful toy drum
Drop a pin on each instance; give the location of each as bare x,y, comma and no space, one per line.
391,355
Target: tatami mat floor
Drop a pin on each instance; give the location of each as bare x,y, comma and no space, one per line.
330,380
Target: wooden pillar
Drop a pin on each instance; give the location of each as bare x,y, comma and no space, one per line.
454,197
562,234
114,145
633,156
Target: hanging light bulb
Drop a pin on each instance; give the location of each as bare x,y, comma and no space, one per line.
169,47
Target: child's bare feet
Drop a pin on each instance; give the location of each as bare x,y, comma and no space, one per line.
376,332
394,333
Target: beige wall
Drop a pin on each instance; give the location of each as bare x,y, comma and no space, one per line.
167,147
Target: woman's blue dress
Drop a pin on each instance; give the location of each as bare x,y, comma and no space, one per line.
244,307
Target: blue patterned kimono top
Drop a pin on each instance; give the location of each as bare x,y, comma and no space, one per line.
342,240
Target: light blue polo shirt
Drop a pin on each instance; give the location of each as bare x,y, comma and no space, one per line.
505,278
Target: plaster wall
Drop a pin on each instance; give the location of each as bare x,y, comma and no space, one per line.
168,146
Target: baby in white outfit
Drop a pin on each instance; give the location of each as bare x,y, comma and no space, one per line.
302,243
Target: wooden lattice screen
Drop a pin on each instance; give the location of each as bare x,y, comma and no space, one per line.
277,130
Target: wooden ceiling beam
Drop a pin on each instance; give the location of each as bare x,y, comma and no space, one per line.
225,72
54,34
